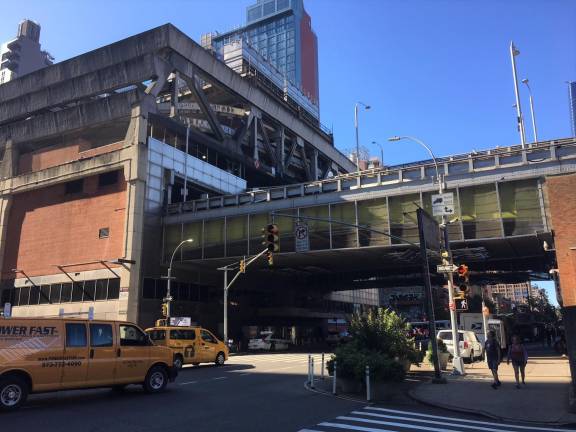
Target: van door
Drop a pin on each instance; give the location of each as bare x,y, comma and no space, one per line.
208,346
133,354
183,342
102,355
75,367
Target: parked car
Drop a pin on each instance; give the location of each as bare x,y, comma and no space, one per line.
470,346
267,343
335,338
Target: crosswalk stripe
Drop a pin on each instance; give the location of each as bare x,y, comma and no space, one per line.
396,424
464,420
433,422
351,427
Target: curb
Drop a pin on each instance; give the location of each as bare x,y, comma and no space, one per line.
411,394
329,394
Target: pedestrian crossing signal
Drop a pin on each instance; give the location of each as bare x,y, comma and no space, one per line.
165,309
270,257
242,266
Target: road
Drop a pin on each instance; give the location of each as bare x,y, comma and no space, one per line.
252,393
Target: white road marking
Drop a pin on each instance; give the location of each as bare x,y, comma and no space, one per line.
464,420
428,422
189,382
358,428
219,378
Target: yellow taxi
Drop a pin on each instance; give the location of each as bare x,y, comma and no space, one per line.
190,345
41,355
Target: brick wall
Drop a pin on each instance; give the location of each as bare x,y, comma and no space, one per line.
562,198
48,227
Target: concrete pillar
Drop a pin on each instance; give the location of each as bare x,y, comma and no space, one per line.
8,169
135,174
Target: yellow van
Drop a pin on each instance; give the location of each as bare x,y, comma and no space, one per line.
190,345
41,355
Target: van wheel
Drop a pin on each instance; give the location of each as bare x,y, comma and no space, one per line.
220,359
13,393
156,379
178,361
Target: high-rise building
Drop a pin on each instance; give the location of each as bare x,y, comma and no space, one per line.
572,96
23,54
280,34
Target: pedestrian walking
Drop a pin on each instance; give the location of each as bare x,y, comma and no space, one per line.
519,356
493,357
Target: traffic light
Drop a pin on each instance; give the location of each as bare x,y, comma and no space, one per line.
270,234
242,266
463,274
165,309
270,257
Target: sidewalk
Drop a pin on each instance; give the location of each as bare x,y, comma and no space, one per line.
544,399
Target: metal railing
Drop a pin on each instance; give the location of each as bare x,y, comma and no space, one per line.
462,164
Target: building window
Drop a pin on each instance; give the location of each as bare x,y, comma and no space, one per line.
108,179
73,187
103,233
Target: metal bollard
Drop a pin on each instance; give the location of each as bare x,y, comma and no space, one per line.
312,373
334,378
368,383
322,373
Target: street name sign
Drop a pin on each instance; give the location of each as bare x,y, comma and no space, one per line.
443,204
450,268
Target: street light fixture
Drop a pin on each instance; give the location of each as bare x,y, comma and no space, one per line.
525,81
168,299
416,140
457,362
366,107
381,152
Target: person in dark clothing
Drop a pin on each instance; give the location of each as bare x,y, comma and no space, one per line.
493,357
519,356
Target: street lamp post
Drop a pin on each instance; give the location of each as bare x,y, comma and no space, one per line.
381,152
513,53
458,363
525,81
168,299
366,107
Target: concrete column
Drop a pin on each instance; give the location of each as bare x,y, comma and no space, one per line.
135,174
8,169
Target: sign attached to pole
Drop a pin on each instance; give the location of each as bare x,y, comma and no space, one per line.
301,234
461,304
7,310
446,268
443,204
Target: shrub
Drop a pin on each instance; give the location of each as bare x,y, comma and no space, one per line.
379,339
441,348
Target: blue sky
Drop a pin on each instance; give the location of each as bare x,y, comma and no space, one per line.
435,69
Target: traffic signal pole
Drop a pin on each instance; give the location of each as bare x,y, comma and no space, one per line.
227,286
457,362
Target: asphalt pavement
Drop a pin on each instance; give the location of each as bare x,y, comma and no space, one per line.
251,393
